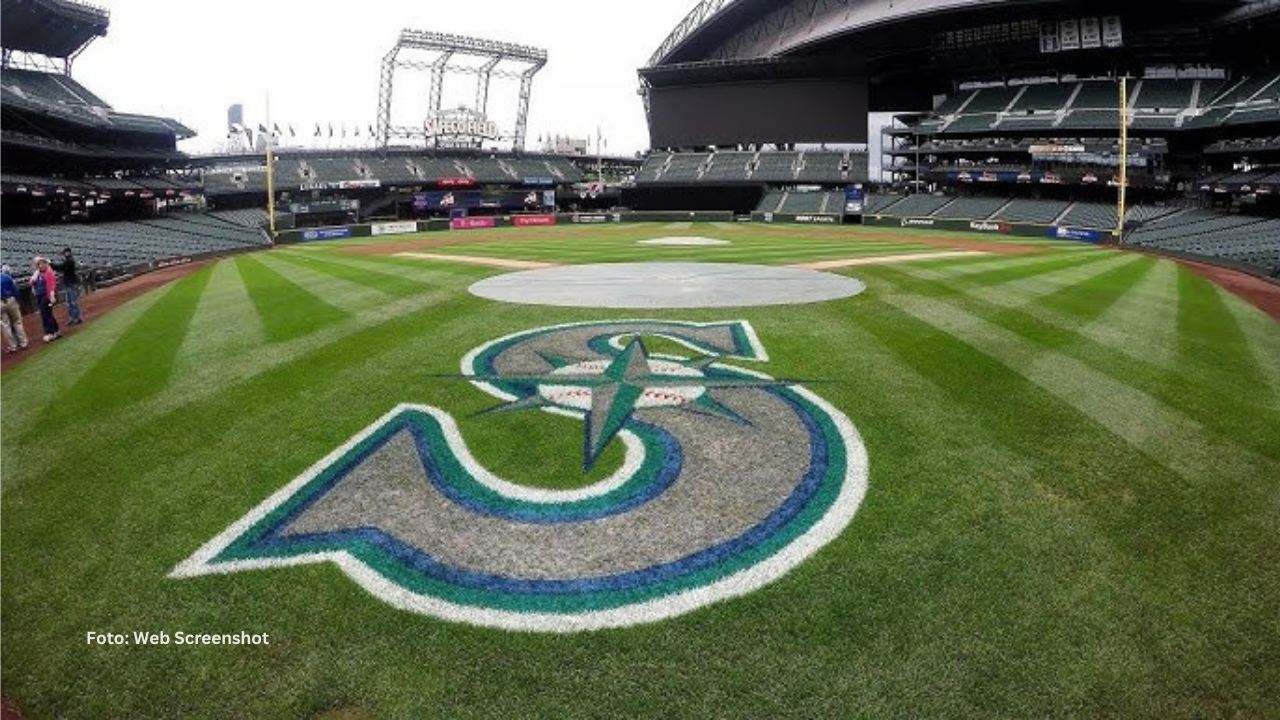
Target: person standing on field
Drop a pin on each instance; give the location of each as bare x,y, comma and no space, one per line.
44,283
15,337
70,286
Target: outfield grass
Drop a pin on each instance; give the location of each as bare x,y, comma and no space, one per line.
1073,507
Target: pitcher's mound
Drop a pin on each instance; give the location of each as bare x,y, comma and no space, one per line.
660,285
691,241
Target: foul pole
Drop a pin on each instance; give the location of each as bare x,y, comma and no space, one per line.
271,176
600,158
1122,196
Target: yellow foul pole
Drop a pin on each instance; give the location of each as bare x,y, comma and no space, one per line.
271,176
1121,197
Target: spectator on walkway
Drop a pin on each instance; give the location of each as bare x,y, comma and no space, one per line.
70,286
15,337
44,283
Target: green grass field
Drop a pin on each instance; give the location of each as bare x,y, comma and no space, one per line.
1073,507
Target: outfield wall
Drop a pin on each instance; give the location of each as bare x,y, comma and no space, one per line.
993,227
482,222
990,227
798,218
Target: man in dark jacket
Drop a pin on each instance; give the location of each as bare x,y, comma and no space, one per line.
71,285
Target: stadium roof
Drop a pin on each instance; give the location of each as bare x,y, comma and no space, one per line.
753,29
56,28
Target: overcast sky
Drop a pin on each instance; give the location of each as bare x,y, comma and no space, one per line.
319,59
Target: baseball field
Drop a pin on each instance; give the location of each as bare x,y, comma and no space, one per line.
1034,479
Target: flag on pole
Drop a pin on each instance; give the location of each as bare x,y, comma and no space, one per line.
330,129
291,132
275,130
318,133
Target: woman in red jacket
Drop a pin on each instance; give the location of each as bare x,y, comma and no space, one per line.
44,283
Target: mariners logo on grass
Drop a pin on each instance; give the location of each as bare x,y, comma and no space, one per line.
730,478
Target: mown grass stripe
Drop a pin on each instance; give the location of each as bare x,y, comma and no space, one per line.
1144,322
1007,261
1090,296
68,361
249,361
413,273
1006,274
627,250
1206,327
943,284
1195,387
141,361
1262,334
1026,283
225,324
1024,294
1038,287
383,282
953,266
1084,458
1183,445
448,273
347,296
287,310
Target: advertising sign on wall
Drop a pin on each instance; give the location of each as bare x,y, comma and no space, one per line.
532,220
1062,233
340,185
472,223
326,233
445,200
395,228
985,226
854,198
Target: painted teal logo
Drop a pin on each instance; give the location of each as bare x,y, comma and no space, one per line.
730,478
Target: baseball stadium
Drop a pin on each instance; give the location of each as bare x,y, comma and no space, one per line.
925,364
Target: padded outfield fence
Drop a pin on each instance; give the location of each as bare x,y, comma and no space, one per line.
993,227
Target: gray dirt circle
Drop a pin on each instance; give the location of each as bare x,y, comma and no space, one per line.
669,285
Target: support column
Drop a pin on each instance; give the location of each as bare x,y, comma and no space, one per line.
438,70
522,112
483,78
386,83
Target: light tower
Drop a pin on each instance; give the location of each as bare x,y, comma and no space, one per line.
436,53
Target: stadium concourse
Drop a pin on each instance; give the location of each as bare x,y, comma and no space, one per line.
770,420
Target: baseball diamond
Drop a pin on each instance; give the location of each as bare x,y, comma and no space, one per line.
664,360
604,483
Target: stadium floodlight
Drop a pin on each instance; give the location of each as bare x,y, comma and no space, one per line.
435,53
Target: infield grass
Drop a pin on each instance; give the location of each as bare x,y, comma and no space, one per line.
1073,507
